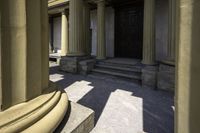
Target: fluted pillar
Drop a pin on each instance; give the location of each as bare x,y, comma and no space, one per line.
64,34
149,33
21,51
0,62
171,31
86,28
28,100
76,45
45,41
188,67
51,35
101,45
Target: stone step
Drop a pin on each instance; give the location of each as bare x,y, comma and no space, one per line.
78,119
128,75
119,68
115,64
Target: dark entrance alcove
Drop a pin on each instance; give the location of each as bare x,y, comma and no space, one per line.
129,29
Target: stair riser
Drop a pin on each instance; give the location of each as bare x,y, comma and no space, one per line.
135,80
132,70
119,65
132,76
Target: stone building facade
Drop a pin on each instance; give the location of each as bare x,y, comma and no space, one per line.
28,101
139,29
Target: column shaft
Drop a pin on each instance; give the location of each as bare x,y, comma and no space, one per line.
64,36
0,61
171,30
101,46
45,41
149,32
23,65
51,32
86,28
76,47
188,67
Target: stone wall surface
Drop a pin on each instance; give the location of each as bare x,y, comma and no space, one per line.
166,77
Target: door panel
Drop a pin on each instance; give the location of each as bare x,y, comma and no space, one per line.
129,31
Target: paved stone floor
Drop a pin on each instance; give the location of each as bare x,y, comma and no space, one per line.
120,106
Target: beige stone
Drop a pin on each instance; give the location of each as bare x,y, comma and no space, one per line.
64,34
44,44
76,45
171,31
28,101
86,28
22,66
188,67
0,62
149,33
101,45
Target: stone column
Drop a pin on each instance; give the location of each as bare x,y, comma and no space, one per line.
188,67
28,98
64,36
44,43
21,51
76,45
101,45
149,33
0,62
51,47
171,30
86,28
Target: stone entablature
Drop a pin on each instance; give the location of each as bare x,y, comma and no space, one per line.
57,6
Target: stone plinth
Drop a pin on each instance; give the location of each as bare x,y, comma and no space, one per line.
80,119
86,66
70,64
166,77
149,77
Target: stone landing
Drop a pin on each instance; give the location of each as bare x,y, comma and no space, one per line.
78,119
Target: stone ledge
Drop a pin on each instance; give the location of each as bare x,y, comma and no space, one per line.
79,119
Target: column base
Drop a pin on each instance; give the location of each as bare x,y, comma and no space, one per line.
149,77
71,64
168,62
166,77
42,114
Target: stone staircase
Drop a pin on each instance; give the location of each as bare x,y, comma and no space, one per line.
115,69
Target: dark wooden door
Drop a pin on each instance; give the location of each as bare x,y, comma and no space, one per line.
129,31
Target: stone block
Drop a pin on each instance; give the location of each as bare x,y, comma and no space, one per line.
86,66
79,119
70,64
166,77
149,77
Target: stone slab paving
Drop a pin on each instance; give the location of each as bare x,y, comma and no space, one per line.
120,106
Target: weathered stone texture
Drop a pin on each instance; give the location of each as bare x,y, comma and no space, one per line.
166,77
86,66
149,77
71,64
80,119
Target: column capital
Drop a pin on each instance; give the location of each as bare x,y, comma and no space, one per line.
64,12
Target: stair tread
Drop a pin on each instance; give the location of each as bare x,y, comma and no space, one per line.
120,65
133,69
117,73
